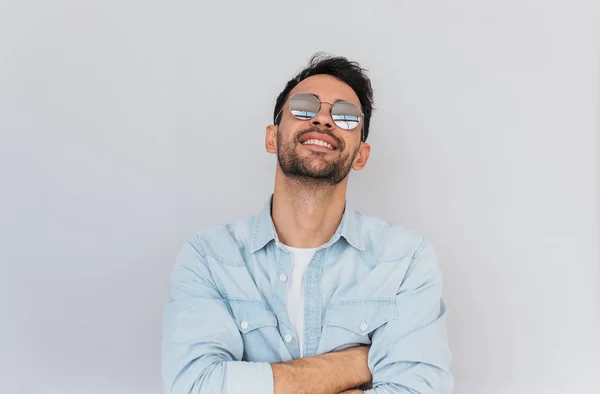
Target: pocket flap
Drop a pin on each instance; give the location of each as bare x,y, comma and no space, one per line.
361,316
250,315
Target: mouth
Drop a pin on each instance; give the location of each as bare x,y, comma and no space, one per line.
319,141
318,145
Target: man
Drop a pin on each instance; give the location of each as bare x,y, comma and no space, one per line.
309,296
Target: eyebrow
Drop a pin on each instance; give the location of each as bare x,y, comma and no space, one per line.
334,101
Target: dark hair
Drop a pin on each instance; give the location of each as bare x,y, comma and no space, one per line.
343,69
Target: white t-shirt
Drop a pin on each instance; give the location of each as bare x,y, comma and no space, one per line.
294,295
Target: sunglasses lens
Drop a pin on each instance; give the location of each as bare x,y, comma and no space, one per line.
304,106
345,115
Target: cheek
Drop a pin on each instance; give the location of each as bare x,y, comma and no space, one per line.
355,150
287,131
351,144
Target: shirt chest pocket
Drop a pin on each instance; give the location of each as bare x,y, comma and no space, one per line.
251,315
350,322
258,327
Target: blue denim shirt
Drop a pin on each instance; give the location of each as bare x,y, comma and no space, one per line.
372,283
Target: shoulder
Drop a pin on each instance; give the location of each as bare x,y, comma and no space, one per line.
227,243
386,241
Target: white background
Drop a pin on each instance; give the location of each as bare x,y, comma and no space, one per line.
127,126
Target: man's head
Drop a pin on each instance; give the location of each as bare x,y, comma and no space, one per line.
309,144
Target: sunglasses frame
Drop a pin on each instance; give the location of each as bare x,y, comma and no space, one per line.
362,115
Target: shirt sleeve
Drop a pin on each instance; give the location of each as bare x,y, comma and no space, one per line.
202,347
410,354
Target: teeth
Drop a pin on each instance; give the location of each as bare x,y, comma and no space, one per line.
318,142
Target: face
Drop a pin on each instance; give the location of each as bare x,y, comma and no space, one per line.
316,150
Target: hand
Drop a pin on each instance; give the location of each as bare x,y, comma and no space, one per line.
353,392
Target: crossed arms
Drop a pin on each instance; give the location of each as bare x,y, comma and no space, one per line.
201,352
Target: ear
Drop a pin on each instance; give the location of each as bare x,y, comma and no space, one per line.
271,139
360,161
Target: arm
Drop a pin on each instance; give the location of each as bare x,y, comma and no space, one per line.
202,347
410,354
325,373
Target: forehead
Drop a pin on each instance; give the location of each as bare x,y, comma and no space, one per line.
327,88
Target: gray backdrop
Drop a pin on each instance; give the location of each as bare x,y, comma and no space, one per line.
127,126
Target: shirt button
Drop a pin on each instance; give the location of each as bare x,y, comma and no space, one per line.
244,324
283,277
288,338
363,326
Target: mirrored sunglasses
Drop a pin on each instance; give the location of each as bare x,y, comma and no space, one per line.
345,115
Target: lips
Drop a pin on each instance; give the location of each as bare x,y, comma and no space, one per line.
318,143
319,139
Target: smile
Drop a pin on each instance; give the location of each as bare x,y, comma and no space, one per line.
318,143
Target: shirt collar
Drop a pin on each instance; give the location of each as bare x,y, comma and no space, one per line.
263,229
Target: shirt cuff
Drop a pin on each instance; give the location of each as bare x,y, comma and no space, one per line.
244,377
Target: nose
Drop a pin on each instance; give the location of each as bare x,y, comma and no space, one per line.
323,117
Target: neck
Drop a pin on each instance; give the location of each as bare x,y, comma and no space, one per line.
306,216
